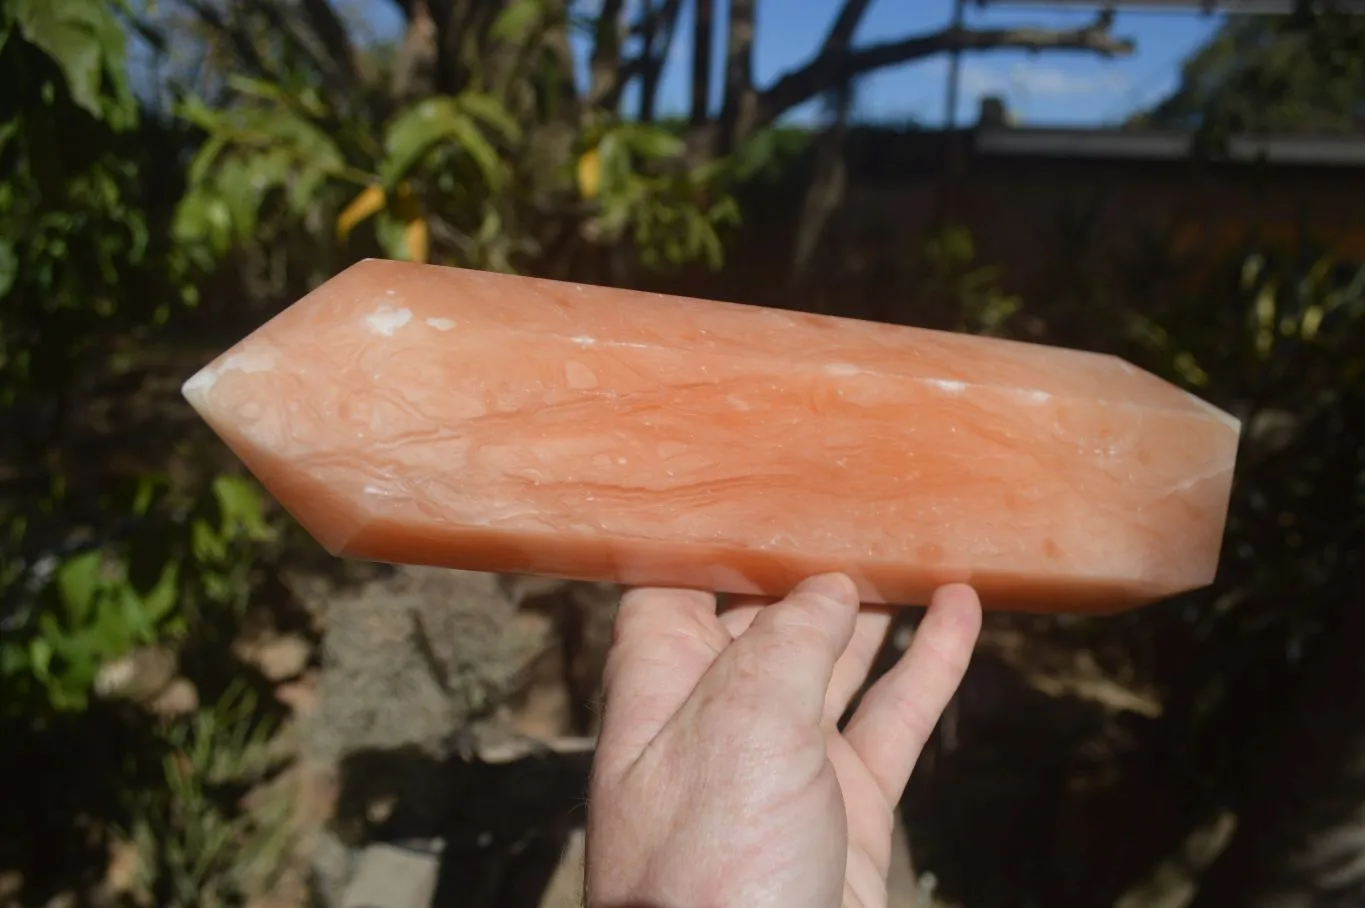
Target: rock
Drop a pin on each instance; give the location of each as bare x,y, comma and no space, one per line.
565,889
11,884
180,698
278,657
301,695
284,658
289,891
902,889
390,877
139,676
333,864
407,661
410,660
121,876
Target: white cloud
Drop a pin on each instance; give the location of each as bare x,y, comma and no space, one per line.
1033,82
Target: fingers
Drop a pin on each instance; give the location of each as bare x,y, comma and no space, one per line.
896,716
851,670
784,660
663,641
738,612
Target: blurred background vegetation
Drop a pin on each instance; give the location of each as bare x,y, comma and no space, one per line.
196,708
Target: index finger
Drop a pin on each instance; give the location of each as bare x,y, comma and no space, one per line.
663,641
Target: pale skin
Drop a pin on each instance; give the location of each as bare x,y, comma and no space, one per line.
722,777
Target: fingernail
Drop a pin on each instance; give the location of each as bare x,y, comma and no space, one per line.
838,588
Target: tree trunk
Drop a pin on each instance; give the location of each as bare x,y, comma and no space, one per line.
703,35
741,100
606,55
414,72
826,190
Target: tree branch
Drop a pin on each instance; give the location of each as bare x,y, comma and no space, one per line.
240,40
414,72
288,29
606,69
654,18
404,7
840,35
824,74
657,34
332,33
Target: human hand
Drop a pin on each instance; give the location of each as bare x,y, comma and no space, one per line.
721,776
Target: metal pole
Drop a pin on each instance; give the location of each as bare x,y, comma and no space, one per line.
954,67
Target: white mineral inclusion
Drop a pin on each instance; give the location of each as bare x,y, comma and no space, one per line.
440,324
1037,397
842,369
385,321
948,385
203,381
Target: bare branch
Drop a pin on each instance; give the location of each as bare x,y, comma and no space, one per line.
289,29
611,74
332,33
826,73
840,35
241,42
661,22
654,19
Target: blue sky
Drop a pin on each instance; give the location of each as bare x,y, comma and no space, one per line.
1059,88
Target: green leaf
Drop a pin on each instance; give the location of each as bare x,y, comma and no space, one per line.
613,165
652,142
389,231
14,659
158,602
271,91
109,636
85,41
239,191
415,131
490,112
516,22
9,265
485,156
412,133
205,542
205,158
40,657
242,509
132,622
78,583
303,189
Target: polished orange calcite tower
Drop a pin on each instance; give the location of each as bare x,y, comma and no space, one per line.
427,415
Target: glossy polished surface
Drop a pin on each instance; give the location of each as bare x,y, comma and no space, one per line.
419,414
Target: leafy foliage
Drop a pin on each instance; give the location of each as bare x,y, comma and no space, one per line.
637,178
196,846
100,558
972,290
103,602
86,43
1273,74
